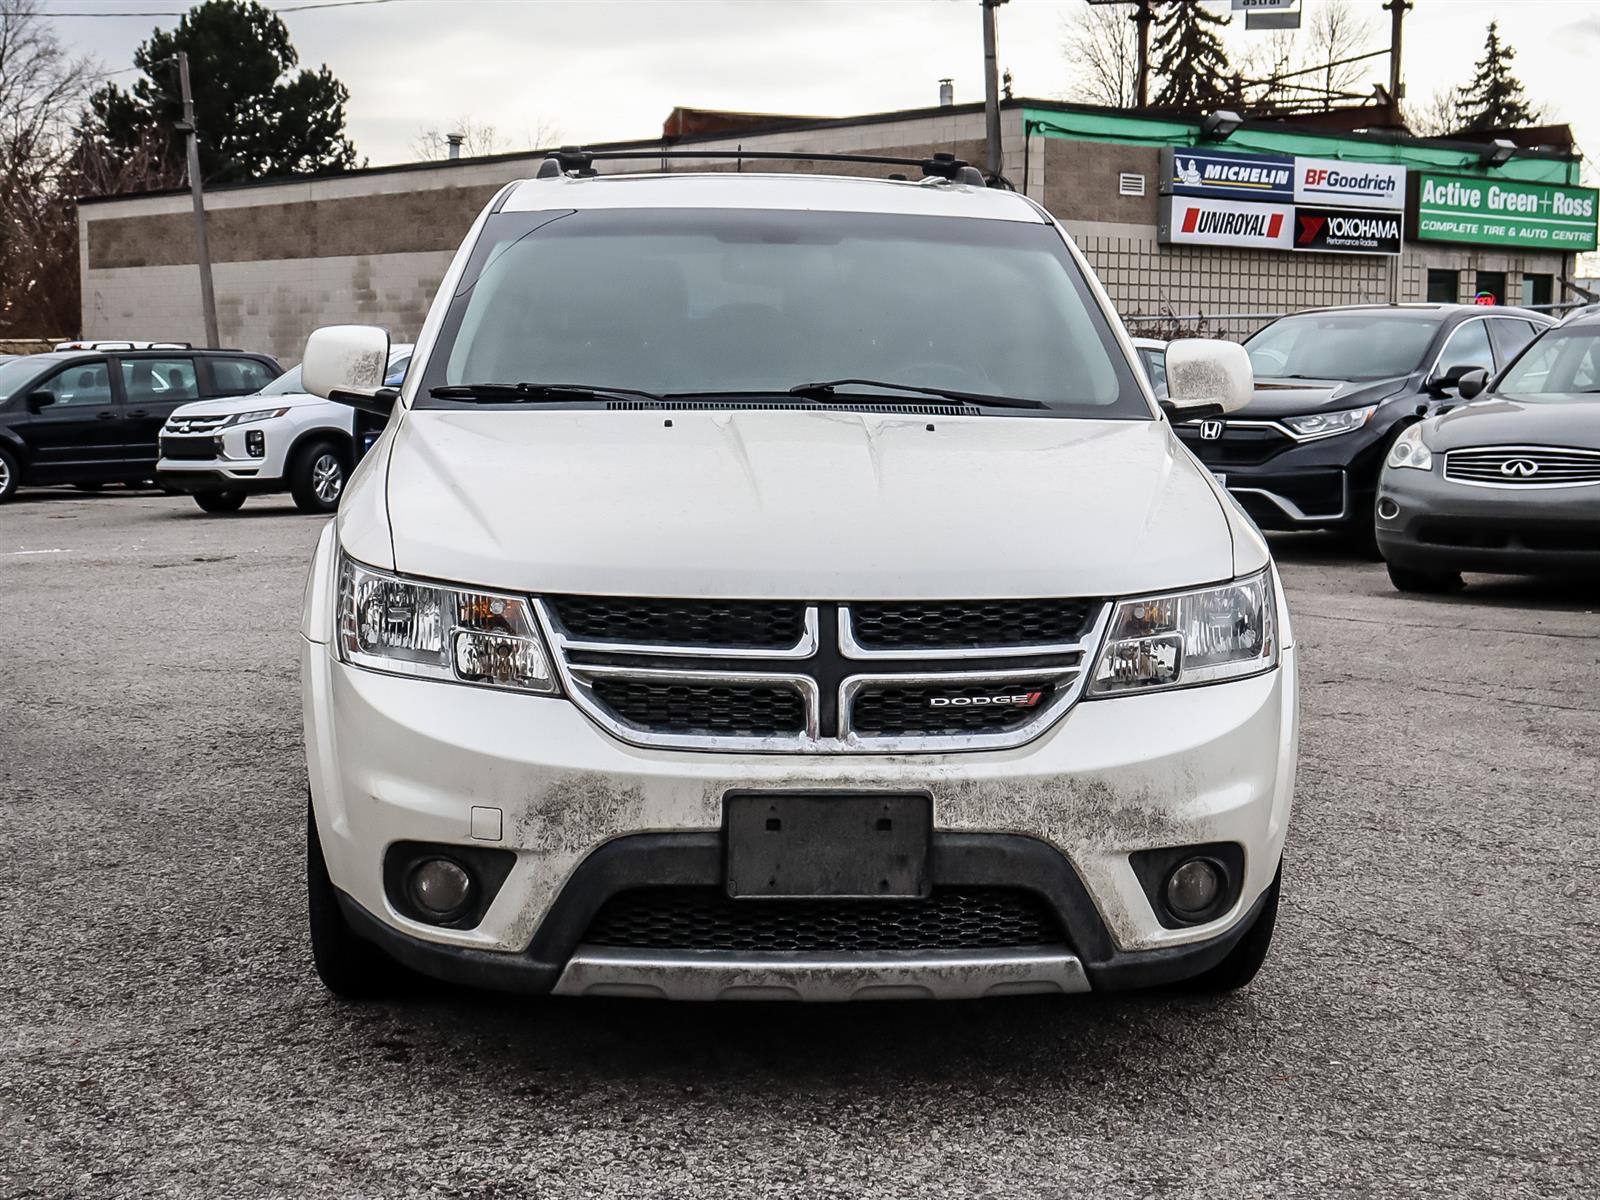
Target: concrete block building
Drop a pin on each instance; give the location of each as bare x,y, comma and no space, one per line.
370,246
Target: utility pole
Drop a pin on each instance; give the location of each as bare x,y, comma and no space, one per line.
1142,17
208,297
1397,15
991,88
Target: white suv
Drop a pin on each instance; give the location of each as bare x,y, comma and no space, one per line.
280,439
787,587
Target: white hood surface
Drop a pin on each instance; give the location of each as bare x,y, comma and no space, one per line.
800,504
254,402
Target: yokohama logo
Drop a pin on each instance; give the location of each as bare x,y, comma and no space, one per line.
1013,700
1232,224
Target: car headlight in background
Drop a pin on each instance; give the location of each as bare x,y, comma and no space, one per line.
1409,450
411,627
1185,638
1312,426
261,414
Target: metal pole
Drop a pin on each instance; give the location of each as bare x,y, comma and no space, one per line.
991,87
1142,18
208,297
1397,16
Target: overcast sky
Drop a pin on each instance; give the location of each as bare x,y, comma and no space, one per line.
593,70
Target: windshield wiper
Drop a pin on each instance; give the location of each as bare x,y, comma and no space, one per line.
534,393
828,390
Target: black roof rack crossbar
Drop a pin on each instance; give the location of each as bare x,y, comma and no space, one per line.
572,160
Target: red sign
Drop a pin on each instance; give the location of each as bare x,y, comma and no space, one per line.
1483,298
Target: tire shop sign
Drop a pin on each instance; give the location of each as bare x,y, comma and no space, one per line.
1504,212
1280,202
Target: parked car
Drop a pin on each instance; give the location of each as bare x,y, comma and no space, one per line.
94,417
1153,358
1510,481
279,439
748,598
1334,388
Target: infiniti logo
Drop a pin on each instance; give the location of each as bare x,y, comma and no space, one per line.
1519,467
1210,431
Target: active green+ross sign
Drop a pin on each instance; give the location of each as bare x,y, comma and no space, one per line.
1504,212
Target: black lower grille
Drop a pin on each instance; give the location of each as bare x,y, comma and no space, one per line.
705,918
757,624
192,448
1237,447
1488,535
959,624
942,709
750,710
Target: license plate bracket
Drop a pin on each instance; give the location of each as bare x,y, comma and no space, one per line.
839,844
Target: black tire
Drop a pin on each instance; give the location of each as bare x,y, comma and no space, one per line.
317,477
220,502
1428,583
1361,531
1247,955
350,967
10,475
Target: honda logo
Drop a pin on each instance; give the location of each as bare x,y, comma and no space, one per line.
1210,431
1520,468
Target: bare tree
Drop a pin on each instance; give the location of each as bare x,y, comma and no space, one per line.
480,138
1438,116
1102,49
1337,34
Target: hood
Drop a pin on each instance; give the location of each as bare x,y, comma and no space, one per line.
251,403
1294,397
1545,420
815,504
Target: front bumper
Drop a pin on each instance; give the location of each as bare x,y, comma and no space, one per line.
394,759
1442,525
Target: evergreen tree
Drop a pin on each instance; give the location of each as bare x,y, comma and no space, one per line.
256,114
1495,99
1189,57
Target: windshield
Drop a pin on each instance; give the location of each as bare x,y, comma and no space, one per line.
675,301
1374,344
283,385
1562,361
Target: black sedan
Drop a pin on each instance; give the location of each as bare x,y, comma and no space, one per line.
1334,388
1508,482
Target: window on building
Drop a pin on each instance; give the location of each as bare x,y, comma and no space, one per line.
1493,282
1444,287
1538,289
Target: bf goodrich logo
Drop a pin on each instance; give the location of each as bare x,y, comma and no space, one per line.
1519,468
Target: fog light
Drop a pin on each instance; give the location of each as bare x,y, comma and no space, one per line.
1193,887
255,443
440,888
1388,509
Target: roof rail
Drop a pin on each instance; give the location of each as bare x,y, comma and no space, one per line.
575,161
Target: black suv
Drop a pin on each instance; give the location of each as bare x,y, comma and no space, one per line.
94,416
1334,388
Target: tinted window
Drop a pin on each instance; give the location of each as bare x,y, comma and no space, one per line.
1510,336
239,376
758,301
86,384
1362,344
1563,360
1468,347
164,379
1155,366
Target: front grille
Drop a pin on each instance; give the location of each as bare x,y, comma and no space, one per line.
756,624
1523,466
1239,445
1569,537
960,624
190,448
733,709
706,918
895,710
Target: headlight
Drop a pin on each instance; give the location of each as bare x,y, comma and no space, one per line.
261,414
1320,425
1409,450
1185,638
409,627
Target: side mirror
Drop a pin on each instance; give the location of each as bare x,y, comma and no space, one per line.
1450,381
40,400
1473,383
346,364
1207,377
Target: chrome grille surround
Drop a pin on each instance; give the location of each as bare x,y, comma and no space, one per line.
1507,466
826,667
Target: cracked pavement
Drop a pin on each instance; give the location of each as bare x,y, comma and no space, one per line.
1426,1024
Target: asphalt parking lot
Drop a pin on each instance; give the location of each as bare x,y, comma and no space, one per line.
1425,1025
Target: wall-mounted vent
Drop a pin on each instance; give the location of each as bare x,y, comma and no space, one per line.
1130,185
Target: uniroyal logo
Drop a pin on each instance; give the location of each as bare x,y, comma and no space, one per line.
1012,700
1226,223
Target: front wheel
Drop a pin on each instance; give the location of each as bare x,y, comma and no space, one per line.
220,502
10,475
1428,583
350,967
317,477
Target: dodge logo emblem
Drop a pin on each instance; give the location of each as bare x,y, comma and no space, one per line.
1009,700
1520,468
1210,431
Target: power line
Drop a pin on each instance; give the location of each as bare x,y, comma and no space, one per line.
183,12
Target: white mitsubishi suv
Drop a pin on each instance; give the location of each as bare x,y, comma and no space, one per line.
783,586
280,439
